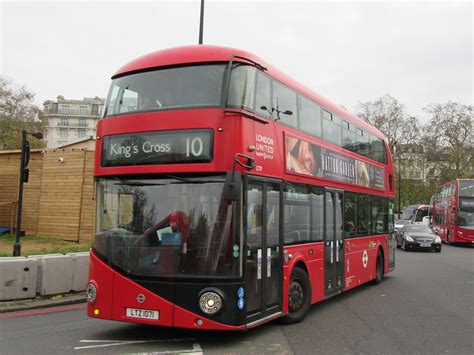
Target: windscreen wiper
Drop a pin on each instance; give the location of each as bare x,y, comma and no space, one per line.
189,181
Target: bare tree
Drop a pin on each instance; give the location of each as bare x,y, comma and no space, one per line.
449,139
389,116
17,112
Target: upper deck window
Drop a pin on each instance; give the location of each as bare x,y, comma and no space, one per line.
348,136
172,88
284,104
331,128
242,87
263,98
253,90
310,116
466,188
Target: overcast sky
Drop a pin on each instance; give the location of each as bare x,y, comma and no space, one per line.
349,52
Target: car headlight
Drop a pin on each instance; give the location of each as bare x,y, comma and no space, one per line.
91,292
437,240
409,239
210,302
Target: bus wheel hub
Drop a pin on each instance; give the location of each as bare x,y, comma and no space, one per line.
296,296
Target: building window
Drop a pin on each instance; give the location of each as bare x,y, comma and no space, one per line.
81,133
63,121
64,109
82,110
82,122
63,133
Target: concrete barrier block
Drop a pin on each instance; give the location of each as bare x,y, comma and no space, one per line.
55,274
38,279
80,273
18,278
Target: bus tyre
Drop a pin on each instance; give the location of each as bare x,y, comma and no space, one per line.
299,297
379,269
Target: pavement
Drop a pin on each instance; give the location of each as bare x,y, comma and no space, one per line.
42,302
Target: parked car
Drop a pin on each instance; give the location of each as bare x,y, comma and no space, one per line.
417,236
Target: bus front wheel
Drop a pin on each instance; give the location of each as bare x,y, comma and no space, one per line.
299,296
379,269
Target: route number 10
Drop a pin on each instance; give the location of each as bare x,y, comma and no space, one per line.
194,147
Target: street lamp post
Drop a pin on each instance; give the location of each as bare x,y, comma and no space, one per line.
201,23
25,157
399,188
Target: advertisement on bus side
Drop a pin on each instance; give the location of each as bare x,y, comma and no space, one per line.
311,159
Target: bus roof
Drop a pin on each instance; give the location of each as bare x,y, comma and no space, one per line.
206,54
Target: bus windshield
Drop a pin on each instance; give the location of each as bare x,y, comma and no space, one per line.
420,213
466,204
466,212
171,227
170,88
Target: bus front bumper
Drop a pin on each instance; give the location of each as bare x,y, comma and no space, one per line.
120,299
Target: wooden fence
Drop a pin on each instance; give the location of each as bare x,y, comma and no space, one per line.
58,198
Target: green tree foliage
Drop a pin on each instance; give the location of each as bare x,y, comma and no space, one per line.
415,191
449,140
17,112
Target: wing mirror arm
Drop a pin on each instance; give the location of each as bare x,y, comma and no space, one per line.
233,183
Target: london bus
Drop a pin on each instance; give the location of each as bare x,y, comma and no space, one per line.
229,195
453,211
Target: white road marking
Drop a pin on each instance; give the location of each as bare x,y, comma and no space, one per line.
108,343
196,350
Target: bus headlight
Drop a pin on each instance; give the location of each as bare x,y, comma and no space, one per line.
210,302
91,292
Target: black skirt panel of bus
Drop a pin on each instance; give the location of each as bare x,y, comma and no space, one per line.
187,296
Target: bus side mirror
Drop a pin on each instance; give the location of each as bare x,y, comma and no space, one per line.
233,185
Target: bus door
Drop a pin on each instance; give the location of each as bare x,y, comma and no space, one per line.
333,243
263,252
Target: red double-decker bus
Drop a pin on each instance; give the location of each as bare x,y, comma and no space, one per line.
229,195
453,211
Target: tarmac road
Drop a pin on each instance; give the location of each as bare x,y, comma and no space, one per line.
425,306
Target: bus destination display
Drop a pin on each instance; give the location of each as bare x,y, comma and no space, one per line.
163,147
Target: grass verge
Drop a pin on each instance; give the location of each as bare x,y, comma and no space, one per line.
40,244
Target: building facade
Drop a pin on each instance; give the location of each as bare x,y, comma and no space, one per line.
69,121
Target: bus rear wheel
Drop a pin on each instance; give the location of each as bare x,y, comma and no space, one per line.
299,297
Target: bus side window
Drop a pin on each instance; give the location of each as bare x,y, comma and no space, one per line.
284,104
263,102
309,116
349,214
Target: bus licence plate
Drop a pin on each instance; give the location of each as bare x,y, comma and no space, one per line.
425,245
143,313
